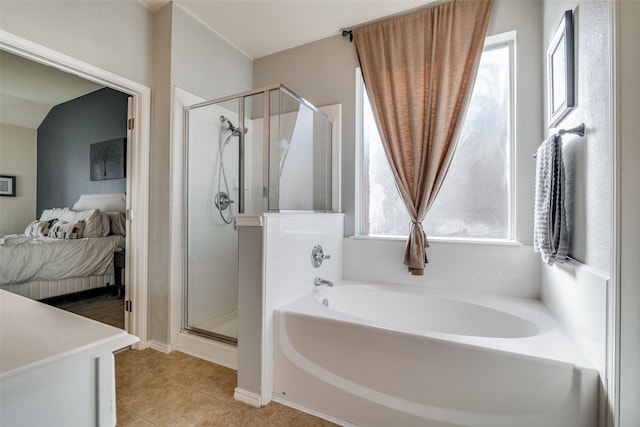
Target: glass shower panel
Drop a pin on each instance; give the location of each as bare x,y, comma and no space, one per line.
213,168
299,155
322,162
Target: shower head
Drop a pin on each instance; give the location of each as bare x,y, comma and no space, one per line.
234,130
227,123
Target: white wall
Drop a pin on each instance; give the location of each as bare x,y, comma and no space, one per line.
576,293
19,147
296,178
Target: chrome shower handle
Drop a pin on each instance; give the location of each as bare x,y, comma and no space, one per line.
317,256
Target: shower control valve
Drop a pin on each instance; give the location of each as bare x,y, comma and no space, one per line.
317,256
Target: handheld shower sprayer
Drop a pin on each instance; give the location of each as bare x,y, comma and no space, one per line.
234,130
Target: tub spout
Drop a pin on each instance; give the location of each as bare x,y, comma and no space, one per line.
319,281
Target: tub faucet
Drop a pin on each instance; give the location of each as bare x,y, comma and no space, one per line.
319,281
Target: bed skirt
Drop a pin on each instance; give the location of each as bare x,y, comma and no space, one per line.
41,289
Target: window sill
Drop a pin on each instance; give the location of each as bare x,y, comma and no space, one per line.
492,242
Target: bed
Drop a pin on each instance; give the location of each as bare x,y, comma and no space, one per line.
66,250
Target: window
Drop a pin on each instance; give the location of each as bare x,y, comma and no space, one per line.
475,200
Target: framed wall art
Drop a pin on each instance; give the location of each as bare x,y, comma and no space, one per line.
561,70
107,159
8,185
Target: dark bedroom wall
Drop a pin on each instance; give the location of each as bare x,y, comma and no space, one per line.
64,138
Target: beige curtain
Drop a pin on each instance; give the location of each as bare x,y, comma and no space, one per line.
419,71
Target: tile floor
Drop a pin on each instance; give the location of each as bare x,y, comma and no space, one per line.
175,389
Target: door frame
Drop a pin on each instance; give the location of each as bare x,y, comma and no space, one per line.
137,255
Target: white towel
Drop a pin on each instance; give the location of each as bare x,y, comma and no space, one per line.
550,233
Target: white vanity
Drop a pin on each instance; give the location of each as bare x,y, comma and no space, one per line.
56,368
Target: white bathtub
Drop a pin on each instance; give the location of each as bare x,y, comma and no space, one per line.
388,355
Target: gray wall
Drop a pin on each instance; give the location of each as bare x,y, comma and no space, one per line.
587,159
203,63
113,35
324,72
628,235
188,55
64,138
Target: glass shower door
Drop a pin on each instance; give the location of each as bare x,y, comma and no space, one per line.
276,148
213,197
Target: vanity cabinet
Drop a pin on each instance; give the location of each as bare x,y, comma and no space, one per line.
56,368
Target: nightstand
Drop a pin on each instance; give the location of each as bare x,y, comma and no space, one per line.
118,269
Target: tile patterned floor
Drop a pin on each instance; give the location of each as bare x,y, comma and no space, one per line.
178,390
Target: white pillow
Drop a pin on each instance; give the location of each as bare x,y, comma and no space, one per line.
118,223
93,224
106,224
53,213
66,230
39,228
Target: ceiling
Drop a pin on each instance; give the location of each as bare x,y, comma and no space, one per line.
28,90
263,27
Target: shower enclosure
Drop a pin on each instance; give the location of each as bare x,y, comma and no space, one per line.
262,151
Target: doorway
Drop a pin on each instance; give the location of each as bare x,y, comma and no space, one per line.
136,275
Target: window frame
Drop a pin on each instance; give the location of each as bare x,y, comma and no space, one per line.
507,39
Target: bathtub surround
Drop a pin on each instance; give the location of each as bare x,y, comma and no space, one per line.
578,300
420,135
276,268
372,355
497,268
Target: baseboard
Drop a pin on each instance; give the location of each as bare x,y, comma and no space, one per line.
315,413
161,347
208,349
247,397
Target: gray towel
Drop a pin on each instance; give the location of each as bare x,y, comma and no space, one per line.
550,233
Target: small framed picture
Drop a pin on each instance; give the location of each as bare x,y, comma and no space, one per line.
8,185
561,70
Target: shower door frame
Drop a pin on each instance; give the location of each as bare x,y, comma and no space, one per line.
265,91
185,294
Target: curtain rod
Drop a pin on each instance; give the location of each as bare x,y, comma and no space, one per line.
347,32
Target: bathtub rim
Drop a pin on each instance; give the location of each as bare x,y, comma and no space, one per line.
551,343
